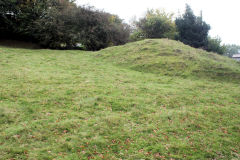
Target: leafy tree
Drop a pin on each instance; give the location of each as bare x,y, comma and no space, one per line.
56,28
17,17
118,31
232,49
155,24
98,29
214,45
192,30
61,24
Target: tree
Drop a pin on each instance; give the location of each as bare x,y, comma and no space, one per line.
17,17
232,49
192,30
98,29
56,27
61,24
155,24
214,45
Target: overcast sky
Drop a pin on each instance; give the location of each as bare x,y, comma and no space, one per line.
222,15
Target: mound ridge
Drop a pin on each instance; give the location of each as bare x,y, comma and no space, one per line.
173,58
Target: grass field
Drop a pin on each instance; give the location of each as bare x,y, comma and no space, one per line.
153,99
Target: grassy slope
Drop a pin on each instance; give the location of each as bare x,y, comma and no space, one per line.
119,103
167,57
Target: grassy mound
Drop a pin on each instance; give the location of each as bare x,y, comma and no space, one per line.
85,105
168,57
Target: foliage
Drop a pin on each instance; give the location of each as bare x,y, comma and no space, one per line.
137,36
155,24
108,105
56,29
192,30
17,17
214,45
61,24
232,49
98,29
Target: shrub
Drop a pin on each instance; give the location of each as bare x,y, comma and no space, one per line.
155,24
137,36
97,29
232,49
61,24
214,45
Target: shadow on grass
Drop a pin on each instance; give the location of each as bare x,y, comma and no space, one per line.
18,44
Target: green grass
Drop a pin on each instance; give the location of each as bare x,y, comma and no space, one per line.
153,99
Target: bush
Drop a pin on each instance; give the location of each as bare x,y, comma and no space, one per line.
61,24
155,24
56,29
214,45
98,29
137,36
232,49
17,17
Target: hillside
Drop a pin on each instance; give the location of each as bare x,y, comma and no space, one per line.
168,57
153,99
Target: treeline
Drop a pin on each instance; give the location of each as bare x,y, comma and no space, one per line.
187,28
61,24
232,49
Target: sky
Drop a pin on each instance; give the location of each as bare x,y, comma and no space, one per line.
222,15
